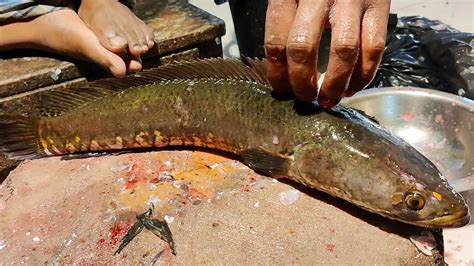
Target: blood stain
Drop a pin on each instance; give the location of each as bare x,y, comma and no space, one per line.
329,247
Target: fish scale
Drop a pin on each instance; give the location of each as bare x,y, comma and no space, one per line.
226,105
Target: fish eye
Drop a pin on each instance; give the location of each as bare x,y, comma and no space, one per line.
414,200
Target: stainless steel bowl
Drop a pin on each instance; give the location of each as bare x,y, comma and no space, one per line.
438,124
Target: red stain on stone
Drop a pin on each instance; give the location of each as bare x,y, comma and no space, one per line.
329,247
167,255
117,232
154,178
133,176
143,172
101,242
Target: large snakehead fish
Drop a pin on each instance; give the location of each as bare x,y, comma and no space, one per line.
227,105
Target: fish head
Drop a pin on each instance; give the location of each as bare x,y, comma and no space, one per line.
382,174
412,188
423,197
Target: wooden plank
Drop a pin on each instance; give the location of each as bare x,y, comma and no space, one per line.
178,26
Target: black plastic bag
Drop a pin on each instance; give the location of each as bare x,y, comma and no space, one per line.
430,54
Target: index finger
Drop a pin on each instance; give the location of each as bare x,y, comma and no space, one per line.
279,18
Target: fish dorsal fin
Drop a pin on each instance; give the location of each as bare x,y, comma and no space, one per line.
57,101
214,68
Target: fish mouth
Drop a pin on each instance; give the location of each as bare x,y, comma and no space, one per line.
449,221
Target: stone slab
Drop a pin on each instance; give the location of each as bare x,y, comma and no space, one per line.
76,211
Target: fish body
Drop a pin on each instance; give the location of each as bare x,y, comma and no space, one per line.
226,105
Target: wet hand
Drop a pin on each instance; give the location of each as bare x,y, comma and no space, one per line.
292,35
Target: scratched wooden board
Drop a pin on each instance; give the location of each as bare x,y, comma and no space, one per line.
178,26
77,211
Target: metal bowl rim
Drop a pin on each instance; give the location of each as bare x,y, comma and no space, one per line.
429,93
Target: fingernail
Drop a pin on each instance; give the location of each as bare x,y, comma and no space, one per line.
144,47
325,102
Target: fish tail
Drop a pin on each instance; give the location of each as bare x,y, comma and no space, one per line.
19,137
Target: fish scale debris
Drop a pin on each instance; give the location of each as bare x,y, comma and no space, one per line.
289,197
425,242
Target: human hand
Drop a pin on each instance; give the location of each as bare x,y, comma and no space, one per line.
293,31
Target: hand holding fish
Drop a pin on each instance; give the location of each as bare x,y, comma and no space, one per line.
292,34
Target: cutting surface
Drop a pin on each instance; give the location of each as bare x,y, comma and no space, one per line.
77,211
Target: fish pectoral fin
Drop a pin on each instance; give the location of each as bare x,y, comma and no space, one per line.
161,229
265,162
131,234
